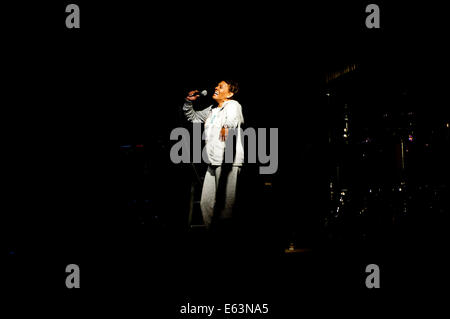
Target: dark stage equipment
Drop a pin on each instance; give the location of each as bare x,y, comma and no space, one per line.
386,168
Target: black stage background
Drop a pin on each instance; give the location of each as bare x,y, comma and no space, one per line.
88,178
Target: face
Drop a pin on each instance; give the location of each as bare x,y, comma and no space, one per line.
222,92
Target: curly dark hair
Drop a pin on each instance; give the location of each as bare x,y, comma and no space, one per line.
234,86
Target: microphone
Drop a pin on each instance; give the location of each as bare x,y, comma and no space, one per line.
202,93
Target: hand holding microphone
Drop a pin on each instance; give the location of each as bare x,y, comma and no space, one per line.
194,95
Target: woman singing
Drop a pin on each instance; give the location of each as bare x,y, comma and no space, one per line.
221,179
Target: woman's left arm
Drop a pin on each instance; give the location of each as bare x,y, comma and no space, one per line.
233,115
233,119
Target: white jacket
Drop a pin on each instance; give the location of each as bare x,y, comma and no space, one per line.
229,115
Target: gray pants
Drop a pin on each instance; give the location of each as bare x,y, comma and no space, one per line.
219,193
